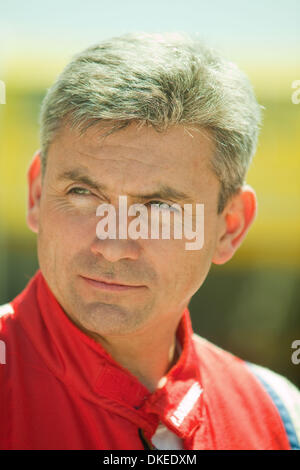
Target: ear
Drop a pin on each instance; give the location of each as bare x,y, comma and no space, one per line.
236,219
34,179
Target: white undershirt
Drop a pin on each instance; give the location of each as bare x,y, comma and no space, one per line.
164,439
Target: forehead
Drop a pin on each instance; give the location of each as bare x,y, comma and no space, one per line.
136,155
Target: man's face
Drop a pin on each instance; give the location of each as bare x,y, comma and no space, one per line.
161,274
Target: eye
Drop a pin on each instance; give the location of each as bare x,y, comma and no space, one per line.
162,205
78,191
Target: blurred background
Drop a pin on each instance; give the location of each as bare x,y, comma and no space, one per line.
251,305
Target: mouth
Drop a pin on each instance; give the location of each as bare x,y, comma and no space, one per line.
111,286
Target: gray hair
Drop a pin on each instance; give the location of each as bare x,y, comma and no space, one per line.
160,80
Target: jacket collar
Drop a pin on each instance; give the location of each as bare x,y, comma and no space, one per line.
83,364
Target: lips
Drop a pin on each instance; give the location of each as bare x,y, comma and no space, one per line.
109,285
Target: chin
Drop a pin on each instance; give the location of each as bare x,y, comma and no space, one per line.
107,319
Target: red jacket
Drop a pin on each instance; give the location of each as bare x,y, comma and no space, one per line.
59,389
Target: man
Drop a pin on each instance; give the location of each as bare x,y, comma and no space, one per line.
99,346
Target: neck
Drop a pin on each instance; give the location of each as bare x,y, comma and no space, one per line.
148,355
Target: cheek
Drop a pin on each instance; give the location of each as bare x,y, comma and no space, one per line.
181,272
63,234
195,267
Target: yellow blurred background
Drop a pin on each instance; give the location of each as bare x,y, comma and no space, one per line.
274,173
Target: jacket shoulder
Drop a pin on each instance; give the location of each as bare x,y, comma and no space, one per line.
285,396
240,374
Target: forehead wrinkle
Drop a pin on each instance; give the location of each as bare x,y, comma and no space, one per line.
125,159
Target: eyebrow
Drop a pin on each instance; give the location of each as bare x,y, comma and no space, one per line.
163,192
78,176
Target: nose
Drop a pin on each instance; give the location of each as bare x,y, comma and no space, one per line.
116,250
